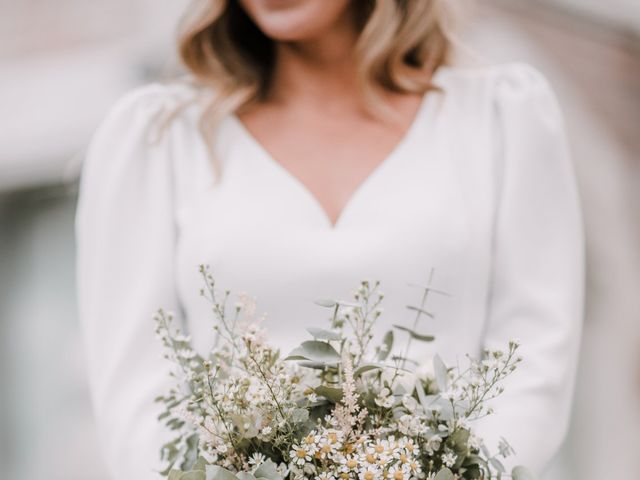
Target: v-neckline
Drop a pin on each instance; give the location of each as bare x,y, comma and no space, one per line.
409,133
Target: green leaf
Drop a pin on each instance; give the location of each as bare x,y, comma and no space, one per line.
200,464
175,475
521,473
325,302
320,334
425,399
344,303
366,368
459,440
215,472
485,451
387,343
245,476
421,310
193,475
442,374
330,393
444,474
416,335
475,460
267,470
317,365
316,351
497,464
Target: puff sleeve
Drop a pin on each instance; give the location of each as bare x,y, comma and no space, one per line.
125,252
537,284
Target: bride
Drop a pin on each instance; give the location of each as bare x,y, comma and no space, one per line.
313,144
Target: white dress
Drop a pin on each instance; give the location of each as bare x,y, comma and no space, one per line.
481,189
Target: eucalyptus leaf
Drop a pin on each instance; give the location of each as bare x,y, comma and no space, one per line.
344,303
497,464
321,334
475,460
316,351
415,335
325,302
317,365
521,473
330,393
296,357
444,474
268,471
175,475
424,399
444,408
216,472
485,450
459,440
200,464
442,374
245,476
366,368
193,475
421,310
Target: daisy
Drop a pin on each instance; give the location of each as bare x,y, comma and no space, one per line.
299,455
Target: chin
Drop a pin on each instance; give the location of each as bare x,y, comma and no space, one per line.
295,20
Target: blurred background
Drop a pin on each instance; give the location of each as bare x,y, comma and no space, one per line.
64,62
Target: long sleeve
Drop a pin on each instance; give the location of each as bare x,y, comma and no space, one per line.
537,285
125,254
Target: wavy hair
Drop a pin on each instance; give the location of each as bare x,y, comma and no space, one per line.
400,45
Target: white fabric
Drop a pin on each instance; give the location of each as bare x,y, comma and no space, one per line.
481,189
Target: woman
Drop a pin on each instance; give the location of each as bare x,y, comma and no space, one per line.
314,144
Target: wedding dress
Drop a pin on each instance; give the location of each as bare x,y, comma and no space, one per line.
480,189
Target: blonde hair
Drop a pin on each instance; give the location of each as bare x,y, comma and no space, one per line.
400,45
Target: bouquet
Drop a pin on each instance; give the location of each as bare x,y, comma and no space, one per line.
341,406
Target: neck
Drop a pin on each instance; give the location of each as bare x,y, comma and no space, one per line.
318,69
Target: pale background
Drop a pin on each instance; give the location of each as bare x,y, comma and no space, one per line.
63,62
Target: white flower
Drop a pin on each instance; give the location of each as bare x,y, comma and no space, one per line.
370,473
384,398
300,455
325,476
410,425
187,354
384,402
433,444
257,459
182,338
449,459
409,403
398,472
266,431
